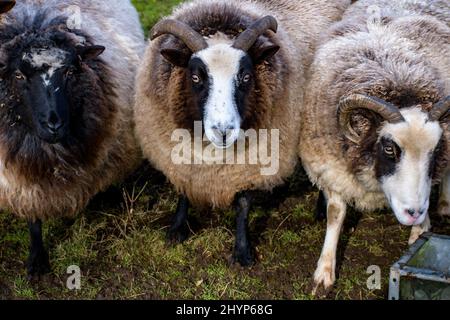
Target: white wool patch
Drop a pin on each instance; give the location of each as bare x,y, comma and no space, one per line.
219,38
223,63
53,59
410,186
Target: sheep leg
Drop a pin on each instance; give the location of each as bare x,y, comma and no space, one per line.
179,231
38,261
417,231
242,250
444,200
326,268
321,207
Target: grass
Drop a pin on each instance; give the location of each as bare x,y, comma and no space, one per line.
151,11
120,246
119,243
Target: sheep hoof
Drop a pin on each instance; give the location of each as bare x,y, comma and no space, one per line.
320,291
324,279
244,257
178,234
444,209
415,235
38,264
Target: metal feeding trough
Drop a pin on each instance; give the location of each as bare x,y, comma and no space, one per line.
424,272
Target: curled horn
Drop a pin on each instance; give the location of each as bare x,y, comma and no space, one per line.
353,102
440,109
191,38
248,38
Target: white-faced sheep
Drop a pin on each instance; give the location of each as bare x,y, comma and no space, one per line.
66,128
375,119
230,65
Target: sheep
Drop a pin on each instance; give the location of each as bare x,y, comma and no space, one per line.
375,126
228,66
66,129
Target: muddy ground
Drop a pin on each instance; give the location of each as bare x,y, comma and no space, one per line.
119,244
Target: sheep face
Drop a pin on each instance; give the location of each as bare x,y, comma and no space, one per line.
404,164
43,76
221,78
220,81
57,100
220,73
407,148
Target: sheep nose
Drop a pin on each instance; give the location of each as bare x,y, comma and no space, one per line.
54,123
415,213
223,130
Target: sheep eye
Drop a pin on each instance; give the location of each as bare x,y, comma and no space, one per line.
389,151
196,79
246,78
20,76
69,73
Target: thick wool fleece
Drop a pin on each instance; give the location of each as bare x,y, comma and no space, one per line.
403,58
67,186
161,101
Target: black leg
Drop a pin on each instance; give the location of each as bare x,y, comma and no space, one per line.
179,231
321,208
38,262
243,250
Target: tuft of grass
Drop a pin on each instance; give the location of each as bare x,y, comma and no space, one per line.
23,289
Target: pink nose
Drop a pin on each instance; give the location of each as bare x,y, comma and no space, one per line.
414,213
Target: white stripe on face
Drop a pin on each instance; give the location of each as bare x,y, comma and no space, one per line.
409,187
221,112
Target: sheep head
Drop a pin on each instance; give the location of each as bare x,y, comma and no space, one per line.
41,77
57,106
408,143
220,76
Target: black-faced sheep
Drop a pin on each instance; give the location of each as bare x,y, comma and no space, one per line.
230,66
375,126
66,128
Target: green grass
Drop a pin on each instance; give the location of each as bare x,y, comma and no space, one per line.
121,249
123,254
152,10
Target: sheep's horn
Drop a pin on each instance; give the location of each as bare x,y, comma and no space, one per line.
248,38
440,109
387,111
6,5
191,38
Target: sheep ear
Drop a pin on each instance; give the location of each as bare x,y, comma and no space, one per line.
90,52
176,57
264,53
362,123
6,5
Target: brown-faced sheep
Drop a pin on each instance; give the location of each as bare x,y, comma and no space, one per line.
230,66
375,126
66,128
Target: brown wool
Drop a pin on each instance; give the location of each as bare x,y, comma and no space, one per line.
162,100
